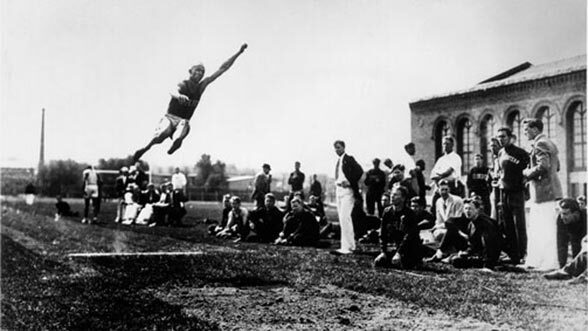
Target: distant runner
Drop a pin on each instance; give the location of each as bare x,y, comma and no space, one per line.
182,105
92,185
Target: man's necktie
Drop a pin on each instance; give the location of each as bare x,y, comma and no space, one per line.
337,169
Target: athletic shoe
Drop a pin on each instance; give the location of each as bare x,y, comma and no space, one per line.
116,220
152,225
57,217
557,275
127,222
84,220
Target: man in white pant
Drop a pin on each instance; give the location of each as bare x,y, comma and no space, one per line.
347,175
545,189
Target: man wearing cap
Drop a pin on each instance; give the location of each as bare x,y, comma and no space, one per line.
261,185
407,158
571,228
183,103
544,190
347,175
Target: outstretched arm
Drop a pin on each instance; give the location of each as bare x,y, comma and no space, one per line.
225,66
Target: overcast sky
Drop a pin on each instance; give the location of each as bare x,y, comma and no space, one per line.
315,71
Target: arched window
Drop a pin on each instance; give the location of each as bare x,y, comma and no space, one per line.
487,131
465,143
547,116
577,124
514,122
441,130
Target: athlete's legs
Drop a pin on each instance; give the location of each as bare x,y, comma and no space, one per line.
183,129
164,130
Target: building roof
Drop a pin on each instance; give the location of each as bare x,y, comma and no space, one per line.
521,73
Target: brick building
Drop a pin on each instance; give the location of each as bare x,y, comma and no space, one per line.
554,92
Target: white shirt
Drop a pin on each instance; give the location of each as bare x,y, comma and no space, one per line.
407,161
451,160
446,209
90,177
178,181
339,175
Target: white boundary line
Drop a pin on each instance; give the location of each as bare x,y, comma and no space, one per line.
115,254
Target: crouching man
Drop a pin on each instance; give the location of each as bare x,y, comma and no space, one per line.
483,240
399,229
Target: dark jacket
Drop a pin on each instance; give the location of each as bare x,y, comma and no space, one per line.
484,240
512,161
479,180
352,172
400,229
267,223
375,180
296,180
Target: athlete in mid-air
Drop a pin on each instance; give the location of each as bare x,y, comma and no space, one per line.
182,105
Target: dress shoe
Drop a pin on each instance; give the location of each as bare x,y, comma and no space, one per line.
557,275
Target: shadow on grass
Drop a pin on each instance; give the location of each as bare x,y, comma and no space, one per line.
40,294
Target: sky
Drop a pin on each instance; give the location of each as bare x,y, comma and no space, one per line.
314,72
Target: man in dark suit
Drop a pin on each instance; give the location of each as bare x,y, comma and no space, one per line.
347,175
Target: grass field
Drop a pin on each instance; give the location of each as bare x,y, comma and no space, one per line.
243,286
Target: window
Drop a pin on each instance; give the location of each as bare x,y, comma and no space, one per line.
441,130
578,135
548,118
465,143
487,131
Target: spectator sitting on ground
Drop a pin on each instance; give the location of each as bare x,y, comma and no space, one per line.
266,221
146,199
575,269
571,228
287,206
425,219
447,206
131,206
237,221
63,209
216,228
317,209
372,236
300,227
399,230
161,208
478,246
581,201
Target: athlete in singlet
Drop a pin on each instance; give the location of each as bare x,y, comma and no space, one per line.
182,105
92,183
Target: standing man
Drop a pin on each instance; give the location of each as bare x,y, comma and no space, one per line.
447,167
375,180
545,189
478,182
296,180
183,103
92,184
316,189
512,160
347,175
261,185
179,181
121,187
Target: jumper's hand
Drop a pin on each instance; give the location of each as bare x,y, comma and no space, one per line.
243,47
184,100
